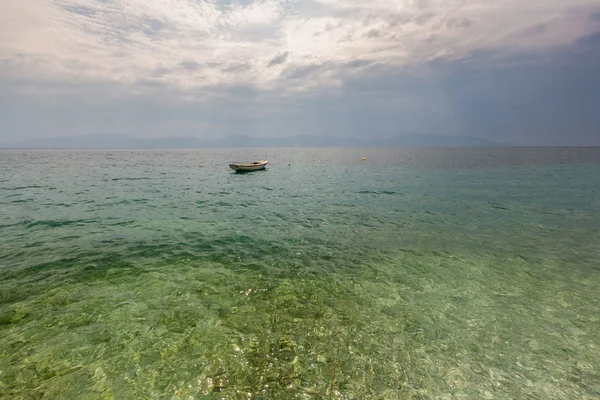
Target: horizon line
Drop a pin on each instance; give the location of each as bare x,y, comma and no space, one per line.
306,147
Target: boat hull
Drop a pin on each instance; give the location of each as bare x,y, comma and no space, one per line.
247,167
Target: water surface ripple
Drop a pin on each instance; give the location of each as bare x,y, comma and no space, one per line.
417,274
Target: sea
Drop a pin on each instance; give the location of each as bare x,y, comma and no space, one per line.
433,273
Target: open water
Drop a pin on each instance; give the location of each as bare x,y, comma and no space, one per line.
416,274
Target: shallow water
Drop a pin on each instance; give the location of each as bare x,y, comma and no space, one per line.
417,274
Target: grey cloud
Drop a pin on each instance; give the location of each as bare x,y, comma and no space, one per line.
151,83
422,3
190,65
235,91
424,17
359,63
156,24
152,26
163,35
373,33
113,48
329,27
160,72
459,23
280,59
397,20
235,67
535,30
543,99
310,8
80,10
595,16
302,72
293,73
370,18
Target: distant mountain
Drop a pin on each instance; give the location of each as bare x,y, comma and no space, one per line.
118,141
426,140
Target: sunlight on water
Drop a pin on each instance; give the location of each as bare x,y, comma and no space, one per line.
418,274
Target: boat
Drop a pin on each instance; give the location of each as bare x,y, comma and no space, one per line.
249,166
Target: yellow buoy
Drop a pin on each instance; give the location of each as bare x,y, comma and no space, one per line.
364,158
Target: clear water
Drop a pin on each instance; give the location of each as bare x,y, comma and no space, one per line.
417,274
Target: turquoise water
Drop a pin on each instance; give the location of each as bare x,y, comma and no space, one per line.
417,274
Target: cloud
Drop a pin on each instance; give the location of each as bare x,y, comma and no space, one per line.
531,98
193,46
280,59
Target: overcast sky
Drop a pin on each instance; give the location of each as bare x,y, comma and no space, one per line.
524,72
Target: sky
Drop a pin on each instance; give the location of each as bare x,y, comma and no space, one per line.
513,71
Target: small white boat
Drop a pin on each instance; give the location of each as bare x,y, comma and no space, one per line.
250,166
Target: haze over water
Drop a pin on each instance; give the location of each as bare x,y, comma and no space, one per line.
416,274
